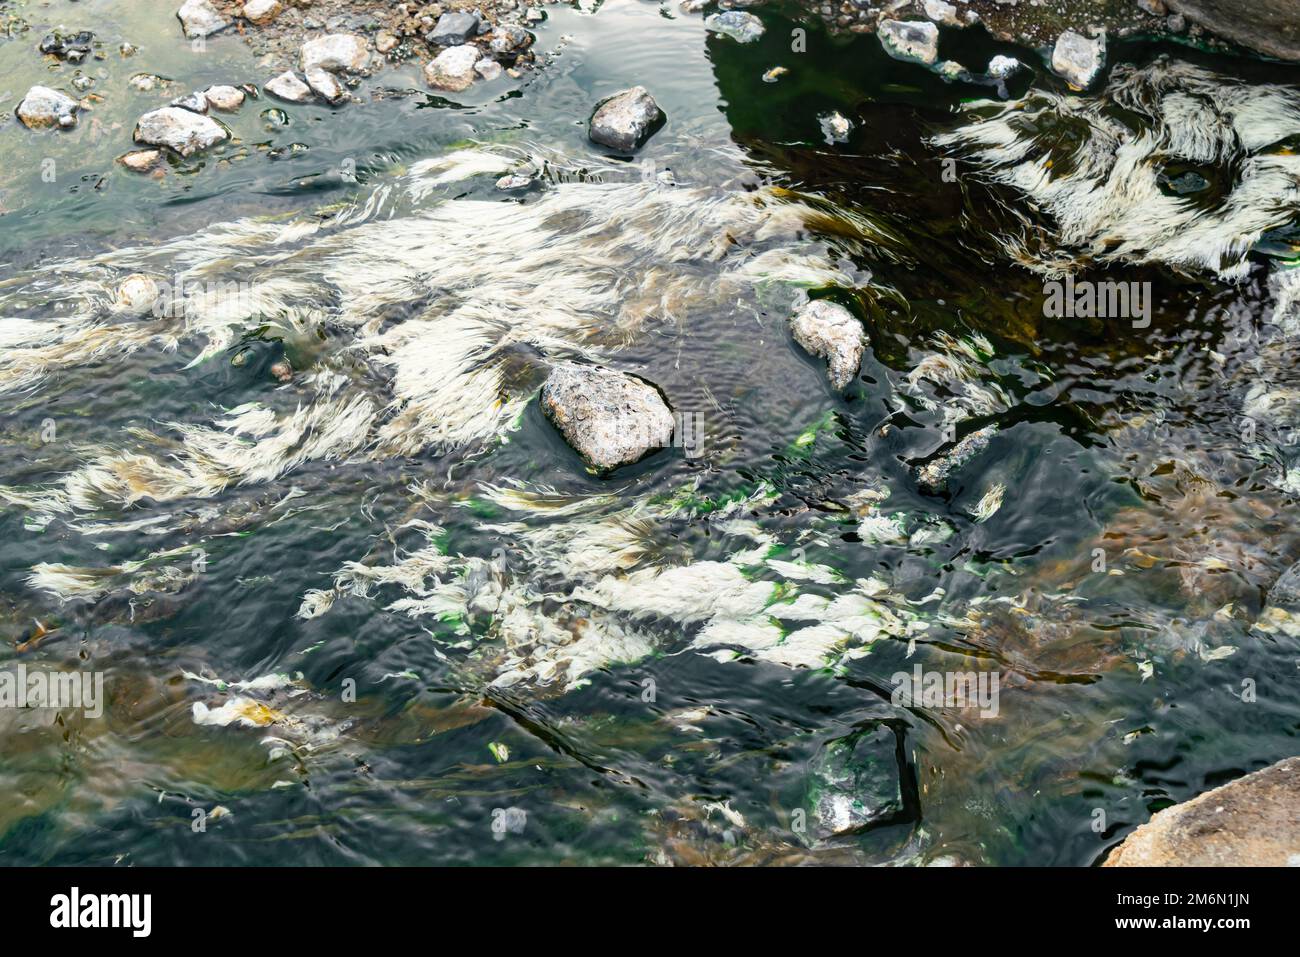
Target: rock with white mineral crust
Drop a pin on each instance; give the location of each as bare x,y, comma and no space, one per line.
199,18
828,330
610,418
625,120
1078,59
185,132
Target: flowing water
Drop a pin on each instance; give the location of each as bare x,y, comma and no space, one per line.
381,613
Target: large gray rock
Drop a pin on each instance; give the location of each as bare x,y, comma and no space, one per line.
42,108
453,68
455,28
338,52
828,330
625,120
1251,822
1078,59
199,18
608,417
1269,26
916,40
854,783
179,129
740,26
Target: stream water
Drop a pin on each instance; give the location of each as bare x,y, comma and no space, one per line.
458,645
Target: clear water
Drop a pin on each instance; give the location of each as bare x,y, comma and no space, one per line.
1112,697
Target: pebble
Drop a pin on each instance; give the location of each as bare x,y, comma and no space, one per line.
288,87
452,69
226,98
261,11
140,161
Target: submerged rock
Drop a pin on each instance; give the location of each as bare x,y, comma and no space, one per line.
1000,67
454,28
625,120
179,129
140,161
327,86
73,48
941,12
137,293
1251,822
1077,59
934,476
828,330
608,417
42,108
1281,614
741,27
453,68
195,102
854,783
199,18
916,40
345,52
288,87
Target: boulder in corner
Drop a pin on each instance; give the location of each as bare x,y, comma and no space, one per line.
1251,822
610,418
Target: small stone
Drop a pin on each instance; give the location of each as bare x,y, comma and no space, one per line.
140,161
146,82
180,130
337,52
1156,8
1001,67
194,102
910,40
534,15
828,330
488,68
327,86
282,370
127,49
200,18
42,108
625,120
1077,59
855,782
608,417
508,38
452,69
951,70
288,87
137,293
226,98
513,181
454,29
75,47
835,127
385,42
261,11
740,26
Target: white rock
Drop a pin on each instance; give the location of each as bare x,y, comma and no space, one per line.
624,120
288,87
910,40
43,107
178,129
199,18
140,161
1078,59
488,68
453,68
261,11
608,417
828,330
228,98
326,85
945,13
136,293
345,52
1001,67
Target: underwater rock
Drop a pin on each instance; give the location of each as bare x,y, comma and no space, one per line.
180,130
934,476
608,417
453,68
327,86
261,11
73,48
828,330
1269,26
854,782
338,52
140,161
1251,822
195,102
137,292
488,68
200,19
226,98
741,27
915,40
43,107
1077,59
1001,67
625,120
288,87
1281,612
454,28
